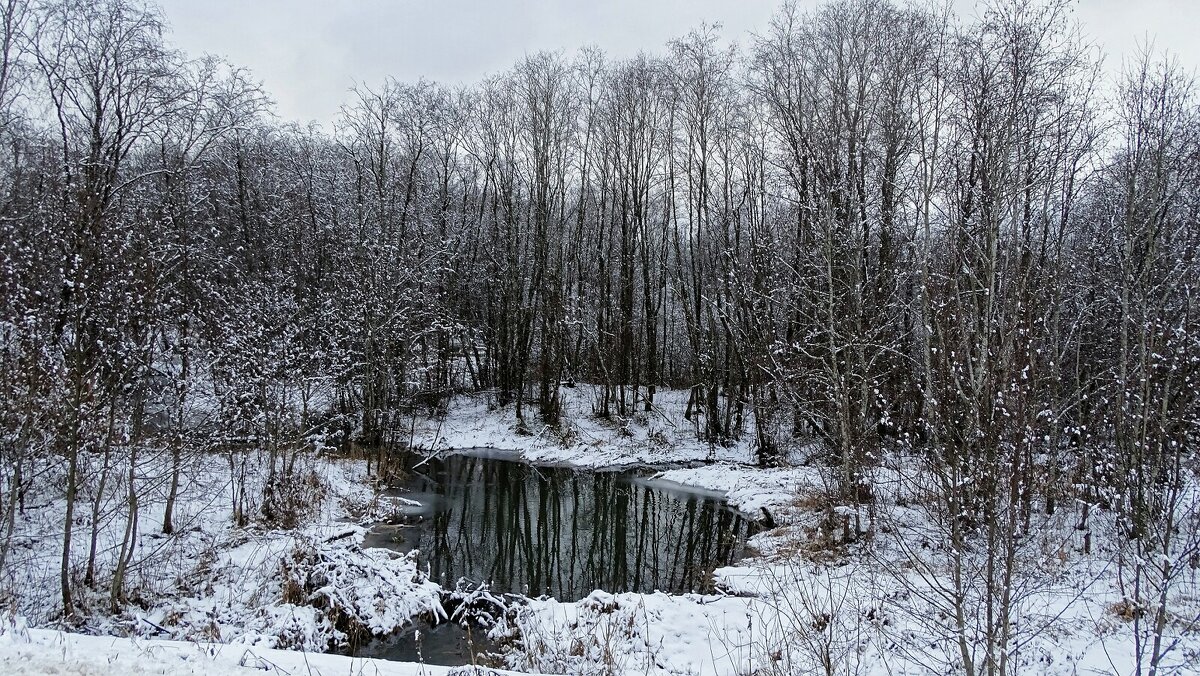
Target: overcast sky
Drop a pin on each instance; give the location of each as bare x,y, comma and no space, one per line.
308,53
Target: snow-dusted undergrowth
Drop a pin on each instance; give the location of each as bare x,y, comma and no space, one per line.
807,602
311,587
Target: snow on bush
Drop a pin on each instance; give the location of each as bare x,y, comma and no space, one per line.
302,592
359,593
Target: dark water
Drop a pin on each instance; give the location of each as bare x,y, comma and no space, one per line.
562,532
554,531
447,644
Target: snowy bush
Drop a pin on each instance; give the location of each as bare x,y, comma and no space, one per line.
358,593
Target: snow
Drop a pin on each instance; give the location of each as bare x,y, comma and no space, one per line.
39,651
867,608
789,618
239,599
749,489
219,599
212,581
661,436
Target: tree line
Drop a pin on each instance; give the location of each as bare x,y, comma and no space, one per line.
874,225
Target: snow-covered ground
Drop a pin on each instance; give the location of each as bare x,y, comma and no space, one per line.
794,615
39,651
261,585
805,604
661,436
217,599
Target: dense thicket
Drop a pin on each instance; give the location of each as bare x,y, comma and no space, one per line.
874,226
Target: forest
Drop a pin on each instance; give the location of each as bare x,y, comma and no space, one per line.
875,234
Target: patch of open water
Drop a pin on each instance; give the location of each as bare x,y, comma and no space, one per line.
556,531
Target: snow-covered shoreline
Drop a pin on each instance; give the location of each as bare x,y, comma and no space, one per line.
803,597
260,585
661,441
31,651
260,588
802,600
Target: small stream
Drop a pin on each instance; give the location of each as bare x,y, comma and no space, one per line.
555,531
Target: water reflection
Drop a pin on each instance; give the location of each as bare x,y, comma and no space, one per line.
561,532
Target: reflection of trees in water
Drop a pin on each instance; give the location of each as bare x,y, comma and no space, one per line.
557,531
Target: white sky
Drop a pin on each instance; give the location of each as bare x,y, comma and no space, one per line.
307,53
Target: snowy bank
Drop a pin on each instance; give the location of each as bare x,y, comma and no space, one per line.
39,651
661,436
311,587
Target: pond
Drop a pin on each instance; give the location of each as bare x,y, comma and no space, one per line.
556,531
562,532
